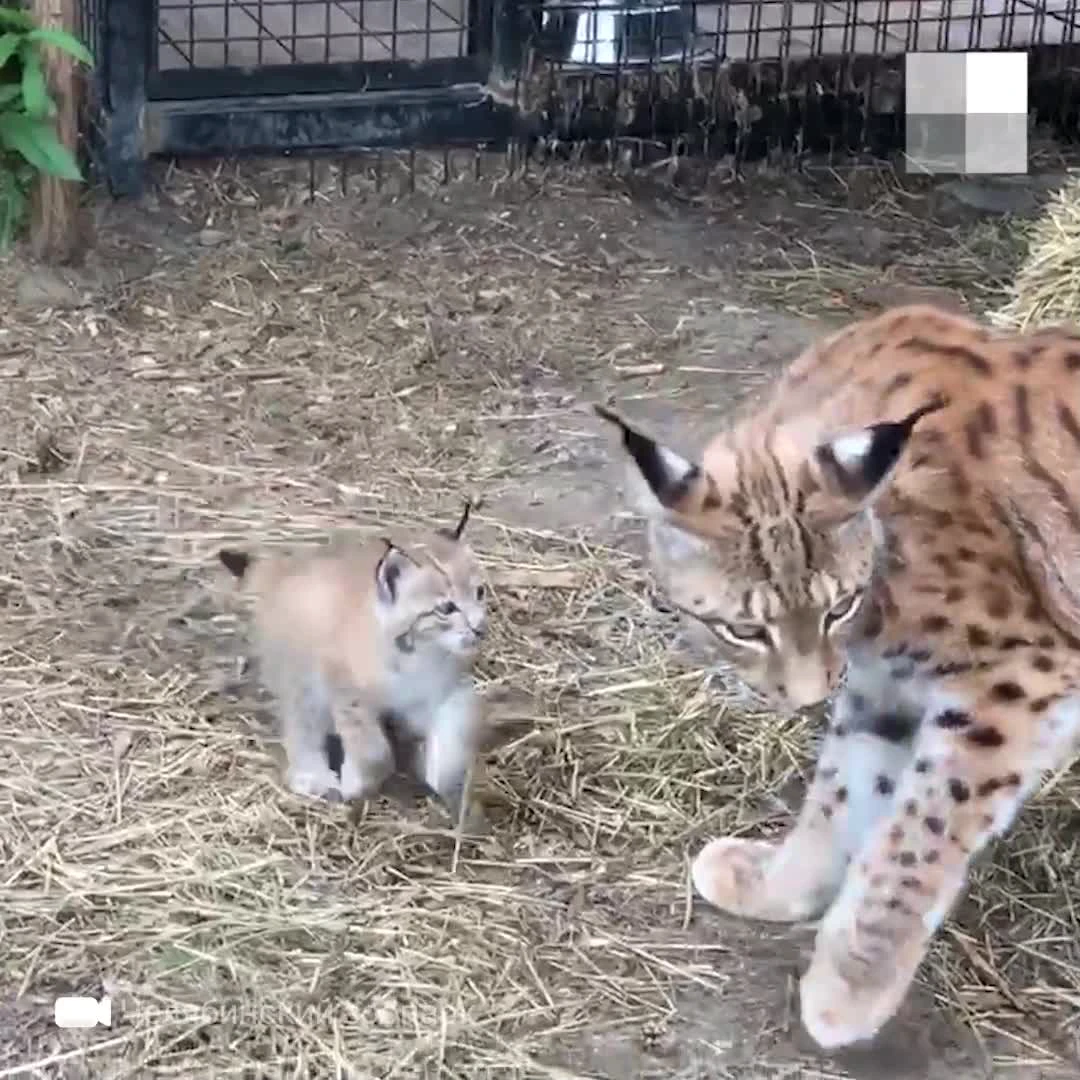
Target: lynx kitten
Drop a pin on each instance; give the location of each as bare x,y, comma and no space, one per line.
373,645
896,526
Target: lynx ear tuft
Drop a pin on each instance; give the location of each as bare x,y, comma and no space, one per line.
459,528
675,483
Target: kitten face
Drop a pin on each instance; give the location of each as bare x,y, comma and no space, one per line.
432,599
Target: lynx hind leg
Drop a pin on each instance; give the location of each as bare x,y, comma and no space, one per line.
868,744
306,723
367,755
448,758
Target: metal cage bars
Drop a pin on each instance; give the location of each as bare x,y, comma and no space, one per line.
219,77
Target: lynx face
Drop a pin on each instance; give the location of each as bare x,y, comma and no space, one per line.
432,605
433,602
785,639
769,550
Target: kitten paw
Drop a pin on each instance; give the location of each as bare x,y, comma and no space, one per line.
314,784
732,875
475,821
846,998
358,784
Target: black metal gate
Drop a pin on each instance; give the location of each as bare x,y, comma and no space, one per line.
226,77
221,77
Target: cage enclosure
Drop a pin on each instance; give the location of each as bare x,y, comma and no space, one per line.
224,77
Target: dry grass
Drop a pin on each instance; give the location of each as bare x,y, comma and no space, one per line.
337,368
898,248
1047,284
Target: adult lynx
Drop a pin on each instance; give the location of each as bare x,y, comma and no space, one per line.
899,523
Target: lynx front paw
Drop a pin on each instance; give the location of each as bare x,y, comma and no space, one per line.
847,997
734,875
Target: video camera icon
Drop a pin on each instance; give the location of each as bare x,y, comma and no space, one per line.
82,1012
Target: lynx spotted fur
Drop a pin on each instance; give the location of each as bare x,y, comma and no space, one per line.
897,528
372,645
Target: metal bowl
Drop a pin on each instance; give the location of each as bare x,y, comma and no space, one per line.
618,33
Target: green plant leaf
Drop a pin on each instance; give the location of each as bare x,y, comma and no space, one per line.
61,39
9,45
35,92
14,19
35,140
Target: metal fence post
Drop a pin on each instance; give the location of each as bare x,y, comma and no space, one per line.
128,41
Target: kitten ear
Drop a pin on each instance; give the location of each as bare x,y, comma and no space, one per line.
388,572
236,562
674,483
858,464
459,528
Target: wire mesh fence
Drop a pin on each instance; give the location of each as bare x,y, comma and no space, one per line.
256,33
608,33
692,77
234,33
89,29
749,78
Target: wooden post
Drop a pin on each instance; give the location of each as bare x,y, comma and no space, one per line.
58,227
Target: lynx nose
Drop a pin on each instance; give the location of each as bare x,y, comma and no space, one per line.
805,683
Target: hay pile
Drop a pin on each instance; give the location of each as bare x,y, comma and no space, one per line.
1047,284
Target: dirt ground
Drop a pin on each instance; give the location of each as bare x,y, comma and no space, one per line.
237,362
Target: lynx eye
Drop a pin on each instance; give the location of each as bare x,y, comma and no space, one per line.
843,609
743,632
479,592
447,607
